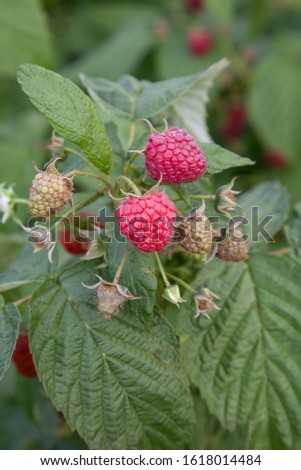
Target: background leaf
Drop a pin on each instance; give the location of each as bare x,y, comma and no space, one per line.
271,199
69,111
111,97
183,98
24,35
21,272
275,98
117,382
9,329
120,53
247,369
293,232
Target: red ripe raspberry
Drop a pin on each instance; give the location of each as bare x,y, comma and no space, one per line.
194,4
74,244
147,221
235,122
199,42
276,159
174,156
22,358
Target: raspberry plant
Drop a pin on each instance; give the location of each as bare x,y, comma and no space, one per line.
125,338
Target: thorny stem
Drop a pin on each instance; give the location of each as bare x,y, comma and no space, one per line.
182,283
21,301
163,274
130,183
121,265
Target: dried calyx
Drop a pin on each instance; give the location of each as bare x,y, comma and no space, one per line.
205,303
111,297
226,200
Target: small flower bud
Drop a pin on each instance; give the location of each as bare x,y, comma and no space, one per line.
40,237
111,297
173,295
226,198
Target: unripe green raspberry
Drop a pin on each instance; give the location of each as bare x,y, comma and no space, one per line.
49,192
234,248
196,235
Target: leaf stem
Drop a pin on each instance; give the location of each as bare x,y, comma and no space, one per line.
80,205
77,154
130,183
132,134
163,273
127,167
82,173
182,283
210,197
21,301
19,200
121,265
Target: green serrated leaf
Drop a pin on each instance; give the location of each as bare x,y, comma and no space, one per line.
9,329
110,97
184,99
138,275
21,271
117,382
69,111
24,36
220,159
246,360
271,199
293,232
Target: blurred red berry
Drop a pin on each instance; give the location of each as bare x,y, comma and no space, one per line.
235,122
74,244
194,4
22,358
199,42
276,159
